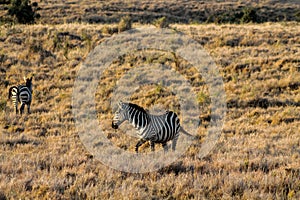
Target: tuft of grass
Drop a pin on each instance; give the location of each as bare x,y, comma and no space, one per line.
161,22
125,24
2,104
109,30
203,98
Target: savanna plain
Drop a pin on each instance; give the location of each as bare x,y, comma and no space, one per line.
257,155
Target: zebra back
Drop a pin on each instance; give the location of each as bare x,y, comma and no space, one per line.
166,126
25,93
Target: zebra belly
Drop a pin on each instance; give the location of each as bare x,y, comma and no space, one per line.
164,137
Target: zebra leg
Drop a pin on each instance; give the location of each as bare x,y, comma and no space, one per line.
174,143
22,108
165,146
152,145
16,107
28,108
140,142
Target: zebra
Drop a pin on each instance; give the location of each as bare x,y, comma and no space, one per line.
152,128
21,94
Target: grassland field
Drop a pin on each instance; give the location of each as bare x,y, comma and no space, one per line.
256,157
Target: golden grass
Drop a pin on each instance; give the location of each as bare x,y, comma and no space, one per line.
257,156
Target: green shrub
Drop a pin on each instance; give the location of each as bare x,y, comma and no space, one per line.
203,98
229,16
249,15
23,11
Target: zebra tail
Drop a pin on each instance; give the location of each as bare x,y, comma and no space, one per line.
185,132
9,92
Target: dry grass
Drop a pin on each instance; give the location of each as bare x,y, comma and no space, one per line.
257,157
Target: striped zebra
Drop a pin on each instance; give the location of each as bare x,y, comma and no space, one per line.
21,94
152,128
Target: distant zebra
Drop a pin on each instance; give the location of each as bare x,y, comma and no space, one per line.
153,128
21,94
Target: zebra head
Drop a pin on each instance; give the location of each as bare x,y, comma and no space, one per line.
120,115
28,82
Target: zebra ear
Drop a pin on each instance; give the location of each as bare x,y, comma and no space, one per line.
120,103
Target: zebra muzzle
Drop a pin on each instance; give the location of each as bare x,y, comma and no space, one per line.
114,126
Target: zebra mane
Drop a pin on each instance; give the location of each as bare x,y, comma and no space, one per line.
137,107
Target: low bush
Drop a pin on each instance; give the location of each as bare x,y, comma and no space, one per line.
124,24
23,11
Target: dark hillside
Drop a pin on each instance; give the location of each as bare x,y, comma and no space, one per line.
146,11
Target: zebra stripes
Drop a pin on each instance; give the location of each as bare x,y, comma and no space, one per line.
21,94
153,128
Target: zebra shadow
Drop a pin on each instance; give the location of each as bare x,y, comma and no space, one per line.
177,168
